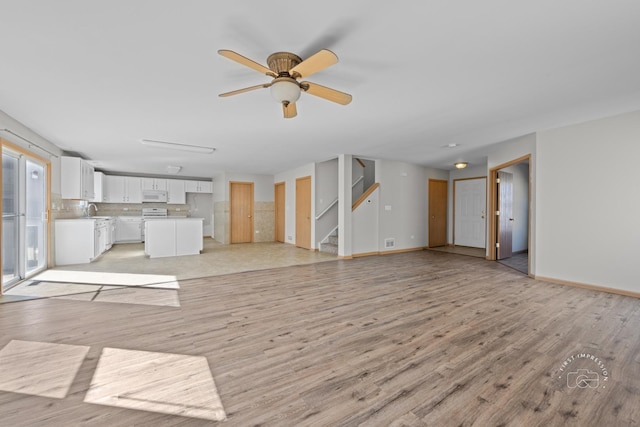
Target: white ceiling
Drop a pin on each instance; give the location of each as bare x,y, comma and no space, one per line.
96,77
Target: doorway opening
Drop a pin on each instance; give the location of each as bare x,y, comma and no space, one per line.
510,214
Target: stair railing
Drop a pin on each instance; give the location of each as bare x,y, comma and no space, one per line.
321,214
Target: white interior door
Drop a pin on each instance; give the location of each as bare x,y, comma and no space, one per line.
470,219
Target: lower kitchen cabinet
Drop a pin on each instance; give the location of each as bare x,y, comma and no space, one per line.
81,240
173,237
129,229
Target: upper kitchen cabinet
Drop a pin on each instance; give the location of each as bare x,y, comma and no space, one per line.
98,187
176,194
199,186
123,189
154,184
76,178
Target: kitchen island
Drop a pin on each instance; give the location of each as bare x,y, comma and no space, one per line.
168,236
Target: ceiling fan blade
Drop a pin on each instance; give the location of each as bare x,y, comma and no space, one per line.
316,62
246,62
290,110
326,93
246,89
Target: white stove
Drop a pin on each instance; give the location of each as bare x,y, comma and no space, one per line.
151,213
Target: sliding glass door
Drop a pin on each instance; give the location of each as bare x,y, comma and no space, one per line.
24,222
10,219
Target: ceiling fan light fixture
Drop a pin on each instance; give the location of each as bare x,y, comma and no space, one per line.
285,90
461,165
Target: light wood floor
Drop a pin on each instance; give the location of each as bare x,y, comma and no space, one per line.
415,339
461,250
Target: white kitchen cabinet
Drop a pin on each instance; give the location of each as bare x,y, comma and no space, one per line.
76,178
111,232
123,189
114,189
154,184
173,237
98,187
133,189
80,240
160,238
189,236
129,229
176,193
199,186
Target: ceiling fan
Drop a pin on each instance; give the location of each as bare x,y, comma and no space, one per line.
286,69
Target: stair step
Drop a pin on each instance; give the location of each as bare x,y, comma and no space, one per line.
333,240
329,248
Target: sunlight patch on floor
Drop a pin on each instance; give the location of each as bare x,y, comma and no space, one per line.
40,369
158,382
107,278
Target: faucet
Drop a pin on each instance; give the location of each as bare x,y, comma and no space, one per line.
88,209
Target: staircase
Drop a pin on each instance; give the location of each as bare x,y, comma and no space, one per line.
330,243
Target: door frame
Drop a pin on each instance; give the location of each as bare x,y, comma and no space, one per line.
453,225
251,209
47,165
278,209
493,207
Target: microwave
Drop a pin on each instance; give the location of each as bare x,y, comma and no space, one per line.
154,196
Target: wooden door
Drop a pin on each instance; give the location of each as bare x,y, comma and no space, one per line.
241,211
303,212
437,213
470,205
505,217
279,211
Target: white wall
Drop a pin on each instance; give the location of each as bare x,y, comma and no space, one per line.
520,212
588,204
201,206
220,189
289,178
263,188
364,225
219,226
404,188
8,122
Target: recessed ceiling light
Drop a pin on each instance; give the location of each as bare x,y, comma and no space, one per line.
176,146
